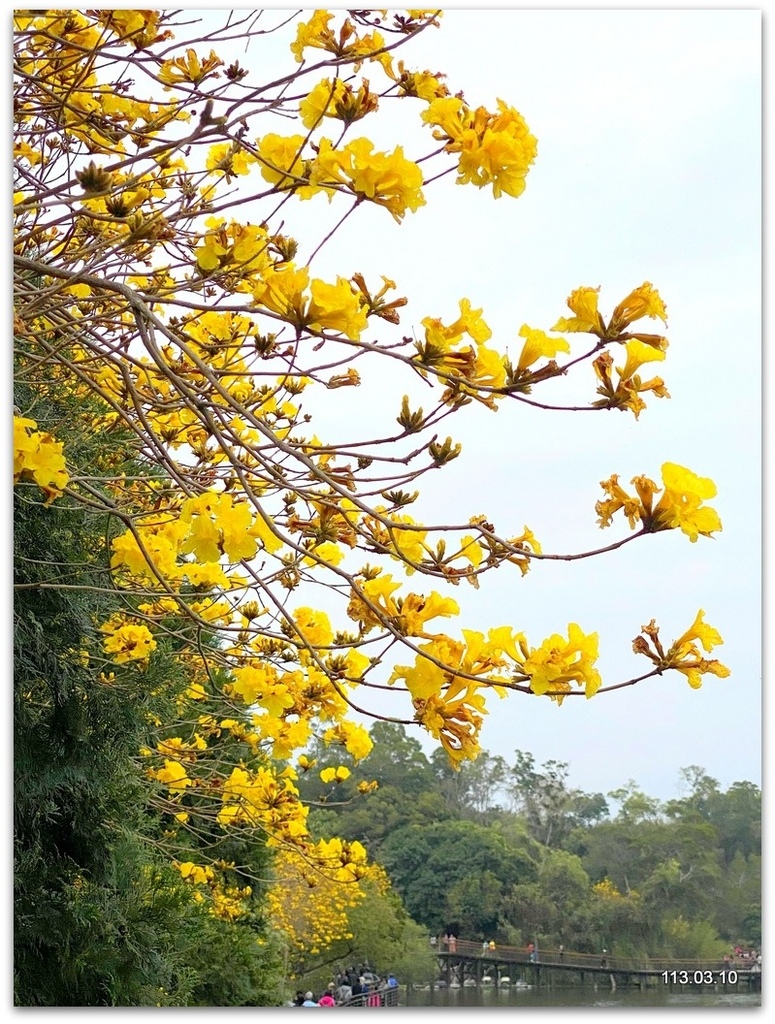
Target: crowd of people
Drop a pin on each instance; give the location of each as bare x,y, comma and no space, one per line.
744,959
358,986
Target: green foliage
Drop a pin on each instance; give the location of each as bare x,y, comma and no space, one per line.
432,867
101,917
684,940
661,861
550,808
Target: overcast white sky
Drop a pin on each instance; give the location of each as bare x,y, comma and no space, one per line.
649,168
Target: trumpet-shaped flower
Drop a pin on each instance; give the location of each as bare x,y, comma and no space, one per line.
283,164
587,319
679,507
337,307
538,345
189,69
336,99
684,654
559,664
455,718
387,179
494,149
173,775
313,33
128,642
643,301
353,737
681,503
38,456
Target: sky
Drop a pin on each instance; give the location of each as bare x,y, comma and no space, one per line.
649,168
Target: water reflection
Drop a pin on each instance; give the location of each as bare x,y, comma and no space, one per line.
578,995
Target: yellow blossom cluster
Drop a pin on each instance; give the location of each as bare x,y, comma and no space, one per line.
389,180
38,456
288,292
448,679
127,641
94,114
492,149
684,654
228,902
310,902
336,99
209,526
679,507
606,890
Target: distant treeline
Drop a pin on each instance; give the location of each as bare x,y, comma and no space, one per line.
510,851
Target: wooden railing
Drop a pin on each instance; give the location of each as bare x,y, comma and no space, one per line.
592,961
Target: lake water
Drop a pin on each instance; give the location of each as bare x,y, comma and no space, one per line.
580,995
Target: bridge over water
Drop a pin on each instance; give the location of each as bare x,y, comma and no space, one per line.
468,963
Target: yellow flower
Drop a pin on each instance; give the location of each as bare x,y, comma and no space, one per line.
448,113
679,507
282,164
471,549
228,158
684,655
194,873
455,718
189,68
335,774
379,592
681,503
387,179
336,99
638,353
416,610
314,626
494,149
128,642
587,319
423,84
217,525
38,456
503,156
354,738
173,775
538,345
314,33
558,663
337,307
643,301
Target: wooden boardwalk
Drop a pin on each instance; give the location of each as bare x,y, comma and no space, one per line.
506,965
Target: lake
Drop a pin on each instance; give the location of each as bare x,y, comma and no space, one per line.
579,995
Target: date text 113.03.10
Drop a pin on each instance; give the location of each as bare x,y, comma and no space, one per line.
699,977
